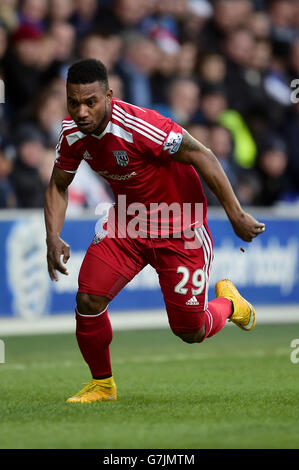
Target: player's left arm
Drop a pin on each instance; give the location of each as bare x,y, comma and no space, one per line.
192,152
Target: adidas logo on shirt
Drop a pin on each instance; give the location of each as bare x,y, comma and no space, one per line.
192,301
87,156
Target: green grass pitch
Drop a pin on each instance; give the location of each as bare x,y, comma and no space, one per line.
235,390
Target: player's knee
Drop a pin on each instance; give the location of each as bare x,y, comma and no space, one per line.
88,304
192,337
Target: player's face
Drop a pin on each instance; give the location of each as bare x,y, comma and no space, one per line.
89,106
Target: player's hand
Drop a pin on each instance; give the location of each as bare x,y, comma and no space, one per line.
57,248
247,227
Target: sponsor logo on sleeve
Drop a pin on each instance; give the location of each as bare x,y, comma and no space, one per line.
173,142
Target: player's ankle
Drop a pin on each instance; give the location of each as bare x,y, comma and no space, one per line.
102,377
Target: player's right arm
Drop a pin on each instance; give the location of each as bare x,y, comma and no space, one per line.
56,200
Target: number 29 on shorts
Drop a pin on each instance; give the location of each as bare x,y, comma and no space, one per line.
198,281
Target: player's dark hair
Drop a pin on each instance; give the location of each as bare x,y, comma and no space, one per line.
88,71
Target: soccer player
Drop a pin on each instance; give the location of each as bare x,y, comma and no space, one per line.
148,159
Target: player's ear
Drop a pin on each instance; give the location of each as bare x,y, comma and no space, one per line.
109,95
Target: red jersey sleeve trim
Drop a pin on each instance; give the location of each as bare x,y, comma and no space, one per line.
65,160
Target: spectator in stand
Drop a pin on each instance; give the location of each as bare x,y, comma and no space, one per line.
197,16
161,21
33,13
277,87
212,70
116,84
183,101
200,132
272,164
169,51
228,16
47,54
282,13
25,177
22,75
4,124
243,92
9,14
261,59
291,127
7,195
129,13
251,84
296,19
294,60
137,66
61,11
176,8
45,166
105,48
213,104
248,187
48,113
260,26
63,34
5,136
58,87
3,43
85,17
186,60
265,111
221,144
214,110
123,16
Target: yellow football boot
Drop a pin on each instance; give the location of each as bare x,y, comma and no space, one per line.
243,315
96,390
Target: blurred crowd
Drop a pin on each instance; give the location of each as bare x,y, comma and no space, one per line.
226,70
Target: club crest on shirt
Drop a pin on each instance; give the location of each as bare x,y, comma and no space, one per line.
121,157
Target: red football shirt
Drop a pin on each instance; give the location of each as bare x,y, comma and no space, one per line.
134,154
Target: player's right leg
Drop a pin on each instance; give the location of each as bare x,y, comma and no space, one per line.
107,267
94,335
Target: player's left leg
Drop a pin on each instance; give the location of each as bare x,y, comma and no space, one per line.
184,279
196,325
228,305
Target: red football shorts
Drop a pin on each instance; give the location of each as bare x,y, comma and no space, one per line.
183,266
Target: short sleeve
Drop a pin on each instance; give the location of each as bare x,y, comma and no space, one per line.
66,157
162,137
